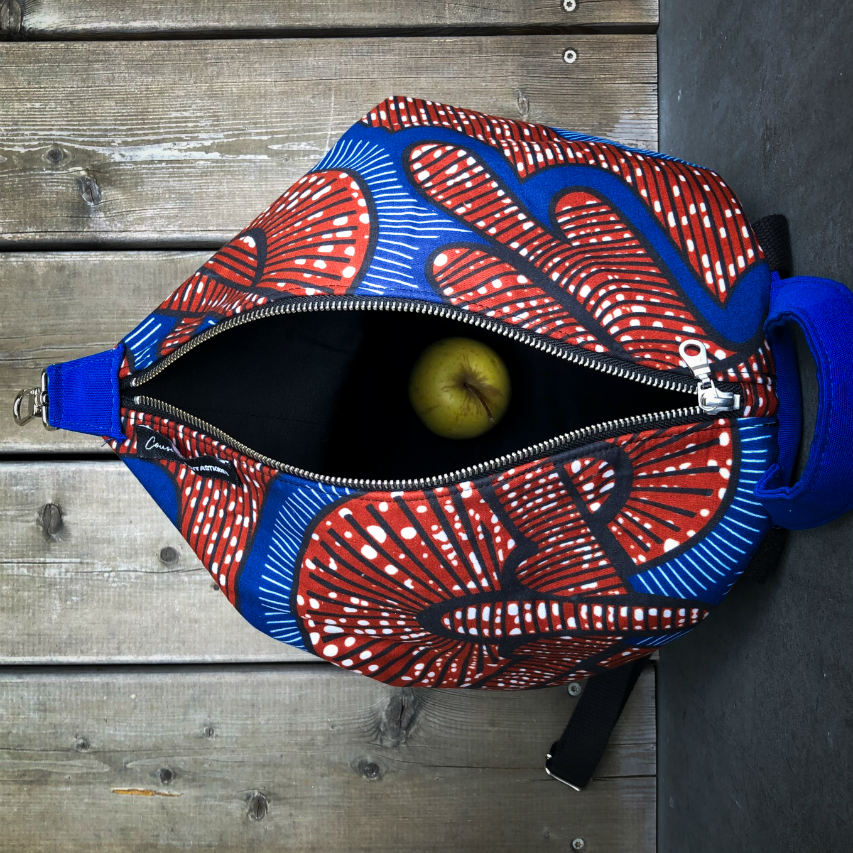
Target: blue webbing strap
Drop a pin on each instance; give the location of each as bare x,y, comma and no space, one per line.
83,395
823,309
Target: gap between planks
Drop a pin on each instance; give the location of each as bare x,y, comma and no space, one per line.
90,19
284,33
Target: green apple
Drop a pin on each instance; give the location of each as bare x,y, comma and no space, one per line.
459,388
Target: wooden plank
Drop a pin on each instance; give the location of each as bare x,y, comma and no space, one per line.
93,584
285,758
52,18
184,142
59,306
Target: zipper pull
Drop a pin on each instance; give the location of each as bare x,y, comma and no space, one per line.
712,400
32,403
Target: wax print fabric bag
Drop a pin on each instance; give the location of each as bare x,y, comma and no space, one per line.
647,450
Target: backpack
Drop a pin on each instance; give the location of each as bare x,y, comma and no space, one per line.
648,447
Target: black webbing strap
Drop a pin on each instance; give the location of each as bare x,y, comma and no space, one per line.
769,555
573,758
775,241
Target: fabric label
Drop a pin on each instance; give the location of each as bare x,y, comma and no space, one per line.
152,445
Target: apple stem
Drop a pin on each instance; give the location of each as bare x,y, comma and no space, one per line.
478,394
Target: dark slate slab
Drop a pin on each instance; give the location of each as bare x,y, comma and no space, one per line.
756,707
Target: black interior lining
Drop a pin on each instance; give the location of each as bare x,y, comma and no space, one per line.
328,392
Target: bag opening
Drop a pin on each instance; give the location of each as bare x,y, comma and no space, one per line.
327,391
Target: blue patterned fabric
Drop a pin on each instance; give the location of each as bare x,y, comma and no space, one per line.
563,564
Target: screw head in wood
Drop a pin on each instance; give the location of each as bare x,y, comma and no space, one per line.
570,5
570,55
578,844
575,688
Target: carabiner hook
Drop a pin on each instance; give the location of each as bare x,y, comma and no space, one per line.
32,403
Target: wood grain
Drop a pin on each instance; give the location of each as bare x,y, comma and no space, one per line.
58,306
90,584
138,710
183,142
84,577
51,18
304,758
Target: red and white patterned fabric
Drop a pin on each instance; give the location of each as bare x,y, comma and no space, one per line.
561,566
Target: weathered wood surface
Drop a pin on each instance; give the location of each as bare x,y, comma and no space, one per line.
92,571
235,741
184,142
52,18
59,306
305,758
89,582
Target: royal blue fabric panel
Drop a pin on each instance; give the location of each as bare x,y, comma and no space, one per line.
824,310
266,580
739,319
83,394
789,393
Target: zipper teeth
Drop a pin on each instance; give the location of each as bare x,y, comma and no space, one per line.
576,356
560,442
471,472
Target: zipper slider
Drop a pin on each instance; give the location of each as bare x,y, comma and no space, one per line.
32,403
712,400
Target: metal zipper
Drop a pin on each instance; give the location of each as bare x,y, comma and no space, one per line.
699,364
472,472
576,355
712,398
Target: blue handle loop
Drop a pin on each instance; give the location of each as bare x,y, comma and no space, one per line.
823,309
83,395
